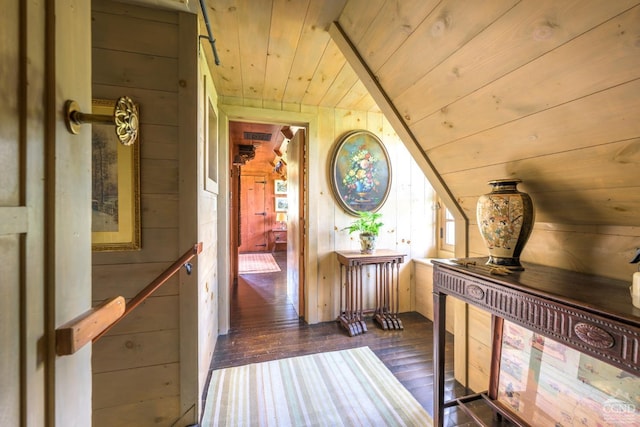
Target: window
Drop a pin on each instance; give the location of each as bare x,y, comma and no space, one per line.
447,229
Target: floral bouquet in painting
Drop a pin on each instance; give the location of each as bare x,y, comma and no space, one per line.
360,172
360,178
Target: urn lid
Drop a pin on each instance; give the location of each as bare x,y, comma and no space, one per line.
505,181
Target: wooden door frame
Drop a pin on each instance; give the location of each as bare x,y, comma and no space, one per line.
227,263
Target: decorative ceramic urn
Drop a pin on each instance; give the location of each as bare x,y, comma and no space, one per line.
505,218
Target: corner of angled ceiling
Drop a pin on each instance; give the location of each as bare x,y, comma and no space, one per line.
363,72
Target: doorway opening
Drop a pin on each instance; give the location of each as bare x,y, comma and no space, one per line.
267,204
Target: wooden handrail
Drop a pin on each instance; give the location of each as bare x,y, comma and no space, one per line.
95,322
73,335
154,285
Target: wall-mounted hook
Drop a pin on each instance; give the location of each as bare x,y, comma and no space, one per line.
125,119
636,258
188,267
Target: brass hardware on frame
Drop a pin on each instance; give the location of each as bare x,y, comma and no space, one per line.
125,119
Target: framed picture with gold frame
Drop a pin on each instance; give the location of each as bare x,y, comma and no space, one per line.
360,172
115,186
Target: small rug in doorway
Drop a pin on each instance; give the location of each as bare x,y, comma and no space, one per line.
257,263
338,388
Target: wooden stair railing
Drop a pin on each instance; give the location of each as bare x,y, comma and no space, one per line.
97,321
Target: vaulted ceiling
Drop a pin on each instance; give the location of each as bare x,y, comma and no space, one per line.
546,91
275,53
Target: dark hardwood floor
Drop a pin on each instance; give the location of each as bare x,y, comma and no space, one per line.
265,326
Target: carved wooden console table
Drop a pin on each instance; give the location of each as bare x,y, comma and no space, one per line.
592,315
387,282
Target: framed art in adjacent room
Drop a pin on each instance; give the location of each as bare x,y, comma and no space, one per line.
360,172
280,186
115,187
282,204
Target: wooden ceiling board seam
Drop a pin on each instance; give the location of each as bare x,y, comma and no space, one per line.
357,16
565,74
448,28
284,36
341,85
367,103
567,127
613,172
254,41
473,66
353,93
313,40
588,208
395,22
227,77
473,182
329,66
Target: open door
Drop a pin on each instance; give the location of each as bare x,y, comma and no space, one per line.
297,226
45,220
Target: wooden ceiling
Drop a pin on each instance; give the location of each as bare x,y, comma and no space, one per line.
546,91
279,52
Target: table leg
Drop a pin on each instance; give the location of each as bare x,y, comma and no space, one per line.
355,318
361,319
379,315
439,319
346,303
352,281
396,309
352,318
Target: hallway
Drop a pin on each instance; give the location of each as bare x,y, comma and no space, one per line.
264,326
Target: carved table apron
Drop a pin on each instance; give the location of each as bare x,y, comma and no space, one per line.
591,314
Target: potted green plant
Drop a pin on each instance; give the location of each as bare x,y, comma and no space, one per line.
368,225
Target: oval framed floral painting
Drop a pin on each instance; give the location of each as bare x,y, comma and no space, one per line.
360,172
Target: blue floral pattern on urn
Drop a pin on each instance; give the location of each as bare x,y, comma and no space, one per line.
505,219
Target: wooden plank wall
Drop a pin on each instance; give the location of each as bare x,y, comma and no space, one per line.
408,213
423,275
544,91
136,367
208,300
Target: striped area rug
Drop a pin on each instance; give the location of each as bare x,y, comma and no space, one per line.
257,263
339,388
